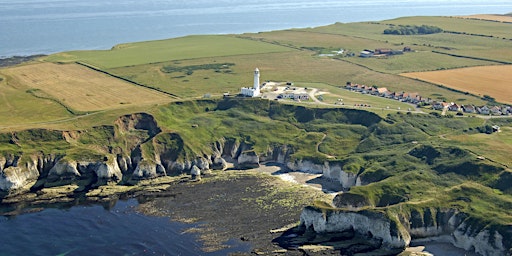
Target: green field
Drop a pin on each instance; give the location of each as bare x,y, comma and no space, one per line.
496,29
408,62
467,43
280,67
189,47
18,106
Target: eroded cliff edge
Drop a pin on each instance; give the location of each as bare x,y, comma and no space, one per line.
395,179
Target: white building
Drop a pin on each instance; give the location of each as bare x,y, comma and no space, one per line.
255,90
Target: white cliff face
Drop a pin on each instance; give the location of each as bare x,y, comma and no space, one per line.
146,170
330,171
195,172
307,167
64,168
448,226
248,158
14,178
202,163
479,242
444,222
108,171
338,221
219,163
2,162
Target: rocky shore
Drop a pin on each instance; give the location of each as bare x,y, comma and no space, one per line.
15,60
245,205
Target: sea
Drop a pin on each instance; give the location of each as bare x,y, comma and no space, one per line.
29,27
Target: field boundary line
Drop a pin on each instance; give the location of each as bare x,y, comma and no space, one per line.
125,79
472,58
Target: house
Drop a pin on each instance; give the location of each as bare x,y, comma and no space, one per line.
366,54
454,107
294,96
507,110
366,89
374,91
383,51
398,95
417,99
409,97
504,110
469,109
484,110
495,110
382,91
440,105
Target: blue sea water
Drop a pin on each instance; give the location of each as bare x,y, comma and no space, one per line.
94,230
37,26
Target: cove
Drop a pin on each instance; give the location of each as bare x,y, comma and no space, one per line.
95,230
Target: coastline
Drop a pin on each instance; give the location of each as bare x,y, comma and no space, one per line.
15,60
267,201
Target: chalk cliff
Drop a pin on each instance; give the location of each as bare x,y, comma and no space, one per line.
445,225
372,224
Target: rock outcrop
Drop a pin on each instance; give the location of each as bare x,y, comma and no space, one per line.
330,170
372,224
445,225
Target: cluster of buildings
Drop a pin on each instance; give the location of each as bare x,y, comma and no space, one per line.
415,98
385,93
472,109
288,92
382,52
294,96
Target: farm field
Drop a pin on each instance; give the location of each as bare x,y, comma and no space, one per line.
416,61
297,66
491,17
311,40
493,81
189,47
479,27
79,88
18,107
472,37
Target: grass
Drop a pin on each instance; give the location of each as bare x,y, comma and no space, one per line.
409,62
494,146
18,107
189,47
285,66
490,17
496,29
494,48
80,88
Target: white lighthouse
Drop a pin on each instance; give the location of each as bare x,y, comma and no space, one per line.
256,82
255,90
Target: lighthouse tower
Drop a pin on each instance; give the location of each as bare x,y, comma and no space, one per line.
256,82
255,90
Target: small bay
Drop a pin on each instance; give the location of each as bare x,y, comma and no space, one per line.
95,230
